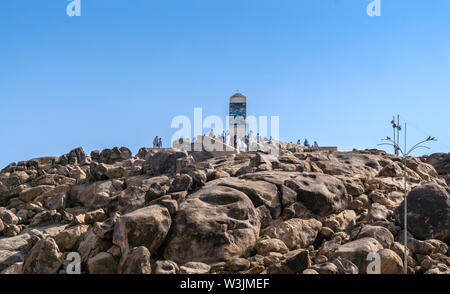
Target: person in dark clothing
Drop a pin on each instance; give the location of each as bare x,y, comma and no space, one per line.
306,143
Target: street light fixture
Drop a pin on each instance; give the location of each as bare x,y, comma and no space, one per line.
395,144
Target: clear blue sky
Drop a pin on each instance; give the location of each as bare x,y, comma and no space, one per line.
119,73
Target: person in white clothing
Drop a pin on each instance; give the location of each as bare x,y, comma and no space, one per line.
228,139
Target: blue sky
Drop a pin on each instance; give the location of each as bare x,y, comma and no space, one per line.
119,73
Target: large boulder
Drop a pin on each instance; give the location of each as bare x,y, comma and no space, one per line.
92,245
349,163
14,269
136,261
76,156
8,217
165,267
105,229
358,251
95,195
391,263
8,258
44,258
381,234
147,227
46,218
102,263
13,249
296,261
322,194
28,195
110,156
69,239
259,192
58,190
146,183
440,161
213,224
192,268
275,177
141,190
130,199
424,170
345,266
266,159
56,202
377,212
53,180
428,213
353,185
167,162
391,170
238,265
182,182
295,233
341,221
264,247
103,171
447,179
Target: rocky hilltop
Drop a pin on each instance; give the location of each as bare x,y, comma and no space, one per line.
166,211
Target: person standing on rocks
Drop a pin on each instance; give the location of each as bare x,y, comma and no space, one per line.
251,141
160,142
316,145
306,143
228,139
155,142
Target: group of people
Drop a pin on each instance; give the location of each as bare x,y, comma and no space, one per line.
306,143
242,143
157,142
245,143
248,142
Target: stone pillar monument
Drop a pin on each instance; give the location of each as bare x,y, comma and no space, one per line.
238,115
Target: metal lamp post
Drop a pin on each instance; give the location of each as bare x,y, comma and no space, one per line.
405,154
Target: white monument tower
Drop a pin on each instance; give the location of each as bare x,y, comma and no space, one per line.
238,115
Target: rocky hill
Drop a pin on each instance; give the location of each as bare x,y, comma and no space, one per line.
169,211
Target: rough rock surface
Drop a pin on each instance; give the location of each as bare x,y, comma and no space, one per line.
102,263
137,261
44,258
428,212
259,192
147,227
295,233
357,252
322,194
217,222
167,211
